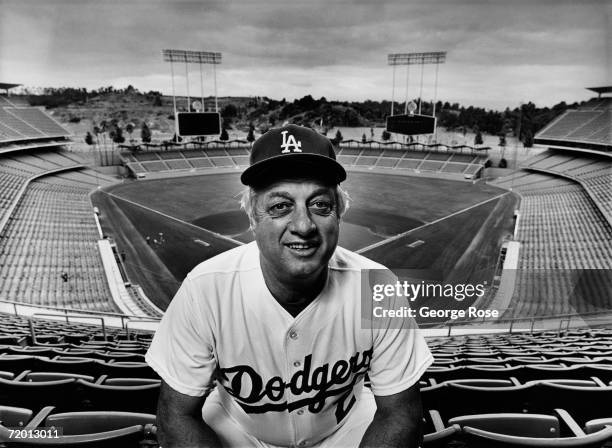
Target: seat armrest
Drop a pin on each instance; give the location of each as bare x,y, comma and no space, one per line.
40,417
570,422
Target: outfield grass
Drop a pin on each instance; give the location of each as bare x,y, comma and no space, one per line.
382,205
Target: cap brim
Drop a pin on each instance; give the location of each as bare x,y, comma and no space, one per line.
295,165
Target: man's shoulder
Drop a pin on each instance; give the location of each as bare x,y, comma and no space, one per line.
346,260
242,258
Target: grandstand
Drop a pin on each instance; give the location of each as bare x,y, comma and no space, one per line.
414,158
52,253
565,226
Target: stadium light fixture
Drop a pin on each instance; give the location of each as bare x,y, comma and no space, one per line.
431,57
192,57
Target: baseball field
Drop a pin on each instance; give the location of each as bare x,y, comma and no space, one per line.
165,227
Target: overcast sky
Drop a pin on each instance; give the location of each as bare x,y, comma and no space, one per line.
499,52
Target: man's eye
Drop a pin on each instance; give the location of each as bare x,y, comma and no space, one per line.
322,206
280,207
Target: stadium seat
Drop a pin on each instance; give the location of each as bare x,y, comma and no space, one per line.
454,399
436,433
76,338
79,366
8,339
121,357
527,430
33,351
14,417
129,370
596,425
128,381
16,363
7,375
105,397
93,430
586,403
526,425
97,421
483,382
54,376
36,395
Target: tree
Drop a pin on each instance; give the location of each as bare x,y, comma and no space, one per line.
251,134
117,135
129,128
89,138
229,111
96,132
104,128
478,138
386,135
224,135
145,133
339,136
528,139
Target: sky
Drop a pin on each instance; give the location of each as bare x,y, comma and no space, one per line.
499,53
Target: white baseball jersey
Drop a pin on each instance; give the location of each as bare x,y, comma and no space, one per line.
285,380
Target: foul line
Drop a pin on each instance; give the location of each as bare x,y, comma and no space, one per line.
215,234
401,235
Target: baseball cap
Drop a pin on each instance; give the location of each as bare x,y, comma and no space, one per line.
292,151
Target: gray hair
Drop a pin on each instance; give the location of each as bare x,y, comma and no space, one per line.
249,196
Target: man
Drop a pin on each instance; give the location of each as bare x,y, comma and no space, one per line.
277,323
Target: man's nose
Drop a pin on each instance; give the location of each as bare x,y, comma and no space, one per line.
301,222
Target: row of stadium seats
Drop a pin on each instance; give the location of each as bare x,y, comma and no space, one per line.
388,158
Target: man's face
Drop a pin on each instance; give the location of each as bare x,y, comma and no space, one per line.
296,227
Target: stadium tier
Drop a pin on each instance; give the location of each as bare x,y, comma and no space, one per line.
374,156
592,171
49,239
566,244
51,234
27,123
589,127
535,389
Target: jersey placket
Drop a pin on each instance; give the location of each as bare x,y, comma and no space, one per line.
296,348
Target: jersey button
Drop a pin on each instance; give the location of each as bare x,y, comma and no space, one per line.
300,412
293,334
296,363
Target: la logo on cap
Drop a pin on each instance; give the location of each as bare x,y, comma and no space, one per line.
290,144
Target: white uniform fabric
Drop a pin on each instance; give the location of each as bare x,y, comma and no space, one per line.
286,381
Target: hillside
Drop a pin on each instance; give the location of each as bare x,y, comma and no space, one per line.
127,109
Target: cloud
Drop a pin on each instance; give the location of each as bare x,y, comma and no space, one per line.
333,48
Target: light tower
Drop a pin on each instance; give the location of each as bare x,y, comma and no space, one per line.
200,122
402,124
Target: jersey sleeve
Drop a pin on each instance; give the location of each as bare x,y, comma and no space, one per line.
182,350
400,356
